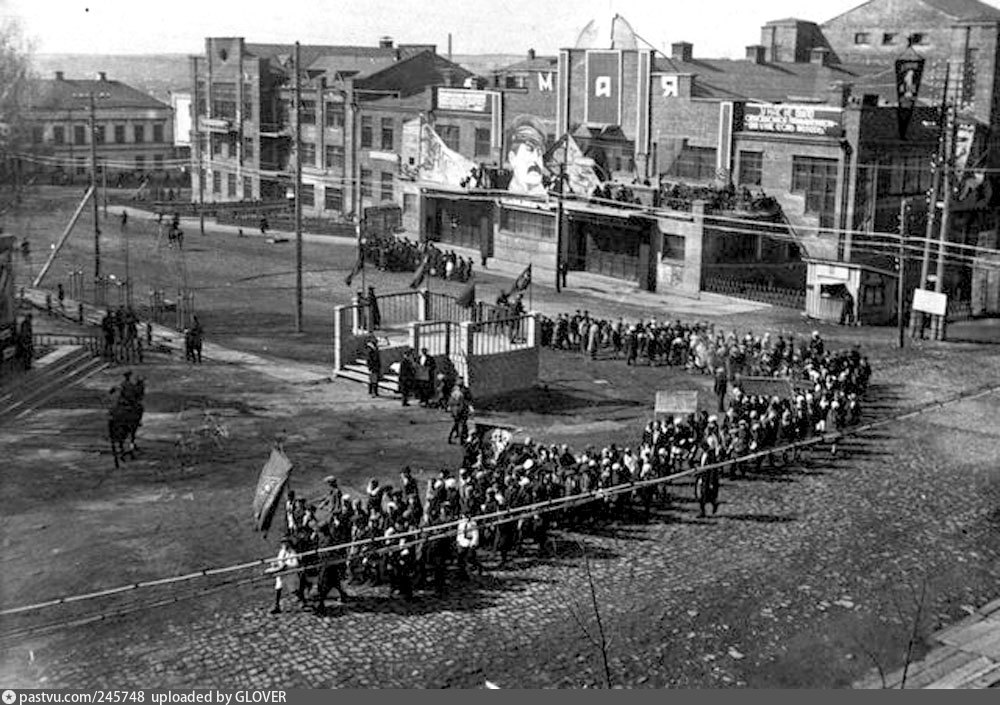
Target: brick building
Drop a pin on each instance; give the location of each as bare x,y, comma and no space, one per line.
352,105
133,131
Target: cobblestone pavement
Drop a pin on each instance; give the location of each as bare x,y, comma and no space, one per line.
795,560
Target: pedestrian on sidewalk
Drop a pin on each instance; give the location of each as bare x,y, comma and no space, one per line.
124,219
61,294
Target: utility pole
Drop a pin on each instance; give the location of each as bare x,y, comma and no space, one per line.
559,213
917,317
298,191
104,188
197,146
904,211
93,186
939,322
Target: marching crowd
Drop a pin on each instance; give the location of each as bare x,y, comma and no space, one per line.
393,254
497,474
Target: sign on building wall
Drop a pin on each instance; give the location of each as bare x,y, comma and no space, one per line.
793,119
181,104
463,100
930,302
604,86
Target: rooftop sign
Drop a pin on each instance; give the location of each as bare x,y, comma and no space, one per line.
793,119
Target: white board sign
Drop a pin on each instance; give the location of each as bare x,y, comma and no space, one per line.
676,403
930,302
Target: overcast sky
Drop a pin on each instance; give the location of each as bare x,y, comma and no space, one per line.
718,28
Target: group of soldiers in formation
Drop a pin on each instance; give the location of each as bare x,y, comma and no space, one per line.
497,474
389,253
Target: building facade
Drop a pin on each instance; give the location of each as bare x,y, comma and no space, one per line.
133,132
352,103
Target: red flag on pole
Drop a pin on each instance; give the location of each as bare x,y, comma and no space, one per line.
418,278
523,281
271,482
354,272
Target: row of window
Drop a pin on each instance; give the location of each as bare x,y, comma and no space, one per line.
333,196
82,164
59,134
889,38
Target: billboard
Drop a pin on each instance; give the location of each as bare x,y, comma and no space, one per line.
181,104
793,119
604,87
425,156
463,100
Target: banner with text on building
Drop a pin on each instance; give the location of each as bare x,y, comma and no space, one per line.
604,87
793,119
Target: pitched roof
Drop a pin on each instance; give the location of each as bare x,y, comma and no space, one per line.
356,66
311,53
539,63
732,79
56,94
966,9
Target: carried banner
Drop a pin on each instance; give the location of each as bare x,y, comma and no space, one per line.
426,157
780,387
271,482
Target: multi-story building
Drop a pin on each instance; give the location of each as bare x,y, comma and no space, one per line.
133,131
352,103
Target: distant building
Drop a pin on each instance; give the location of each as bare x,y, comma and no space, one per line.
134,132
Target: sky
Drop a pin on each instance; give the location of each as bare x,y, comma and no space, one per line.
717,28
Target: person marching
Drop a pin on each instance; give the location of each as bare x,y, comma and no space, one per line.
287,558
459,407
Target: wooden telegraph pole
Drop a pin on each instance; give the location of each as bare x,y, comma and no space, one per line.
93,186
904,211
298,191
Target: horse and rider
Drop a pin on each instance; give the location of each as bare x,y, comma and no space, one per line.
125,415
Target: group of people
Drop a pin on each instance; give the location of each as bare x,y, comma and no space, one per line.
679,196
497,473
393,254
120,332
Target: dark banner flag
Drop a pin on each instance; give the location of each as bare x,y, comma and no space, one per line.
909,72
467,299
269,486
418,278
523,281
354,272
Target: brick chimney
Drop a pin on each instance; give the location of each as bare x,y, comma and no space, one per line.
385,42
102,76
820,55
531,54
681,51
756,54
60,76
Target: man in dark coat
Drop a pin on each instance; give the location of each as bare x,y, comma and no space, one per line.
374,360
426,376
376,315
406,376
720,388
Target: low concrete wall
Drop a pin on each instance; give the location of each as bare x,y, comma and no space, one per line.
492,375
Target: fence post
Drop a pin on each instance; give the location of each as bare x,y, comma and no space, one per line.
414,335
465,345
423,305
533,333
356,312
338,336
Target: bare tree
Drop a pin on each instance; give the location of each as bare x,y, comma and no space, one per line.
600,641
15,92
